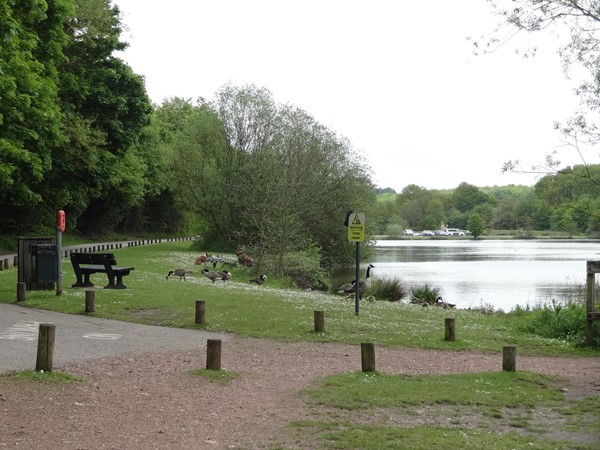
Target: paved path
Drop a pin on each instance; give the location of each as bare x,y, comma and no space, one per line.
81,337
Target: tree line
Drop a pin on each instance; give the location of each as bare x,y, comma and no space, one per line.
566,201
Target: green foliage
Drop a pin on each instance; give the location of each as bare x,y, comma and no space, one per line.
424,294
31,47
476,225
303,268
556,321
389,289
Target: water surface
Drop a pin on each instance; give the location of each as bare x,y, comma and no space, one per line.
503,274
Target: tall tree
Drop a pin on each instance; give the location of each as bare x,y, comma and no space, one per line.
31,45
108,102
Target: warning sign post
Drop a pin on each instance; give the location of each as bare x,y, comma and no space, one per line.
356,234
356,228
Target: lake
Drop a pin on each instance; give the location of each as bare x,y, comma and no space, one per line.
503,273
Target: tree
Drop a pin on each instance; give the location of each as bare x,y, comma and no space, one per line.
31,47
108,101
466,197
476,225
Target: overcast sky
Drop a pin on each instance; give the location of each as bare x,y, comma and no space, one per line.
398,79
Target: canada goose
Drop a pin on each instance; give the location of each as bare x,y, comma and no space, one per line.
346,288
225,275
363,285
259,279
181,273
212,276
439,302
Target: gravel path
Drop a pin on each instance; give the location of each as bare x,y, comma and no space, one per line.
151,401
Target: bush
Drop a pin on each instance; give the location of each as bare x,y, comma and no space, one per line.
303,268
390,289
424,294
556,321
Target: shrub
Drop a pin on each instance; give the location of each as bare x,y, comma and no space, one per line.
556,321
303,268
390,289
424,294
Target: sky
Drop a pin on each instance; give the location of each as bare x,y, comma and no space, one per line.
398,79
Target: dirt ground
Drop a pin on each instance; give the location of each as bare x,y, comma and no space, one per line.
151,401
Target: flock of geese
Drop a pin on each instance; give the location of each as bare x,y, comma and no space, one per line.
213,275
349,288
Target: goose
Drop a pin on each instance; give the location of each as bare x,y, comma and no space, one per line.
225,275
211,275
346,288
439,302
259,280
363,285
181,273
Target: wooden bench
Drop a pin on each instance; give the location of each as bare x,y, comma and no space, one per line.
86,264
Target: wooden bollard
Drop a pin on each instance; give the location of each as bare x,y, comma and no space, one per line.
200,310
90,300
450,329
509,358
319,321
213,354
45,349
21,291
367,353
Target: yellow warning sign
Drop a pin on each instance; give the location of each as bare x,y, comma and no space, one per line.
356,228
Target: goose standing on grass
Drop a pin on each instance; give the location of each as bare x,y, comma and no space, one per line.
225,275
211,275
439,302
181,273
259,280
363,285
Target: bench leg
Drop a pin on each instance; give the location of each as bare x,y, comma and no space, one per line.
82,283
118,285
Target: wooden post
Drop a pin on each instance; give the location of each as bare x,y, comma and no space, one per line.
21,291
367,352
450,329
200,310
45,350
589,304
90,299
509,358
319,321
213,354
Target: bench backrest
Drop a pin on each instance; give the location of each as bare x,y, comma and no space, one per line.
105,259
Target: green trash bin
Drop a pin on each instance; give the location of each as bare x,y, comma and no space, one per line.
28,263
46,263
